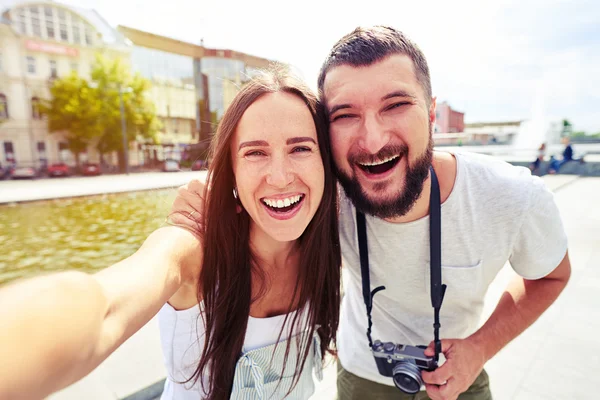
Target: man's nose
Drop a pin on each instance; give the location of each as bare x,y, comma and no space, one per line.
373,135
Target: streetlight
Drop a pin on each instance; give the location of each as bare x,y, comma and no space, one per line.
124,127
121,90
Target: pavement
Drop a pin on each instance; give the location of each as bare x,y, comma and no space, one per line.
557,358
13,191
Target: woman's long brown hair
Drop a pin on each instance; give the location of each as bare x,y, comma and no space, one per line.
225,282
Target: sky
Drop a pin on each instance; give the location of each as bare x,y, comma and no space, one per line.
495,61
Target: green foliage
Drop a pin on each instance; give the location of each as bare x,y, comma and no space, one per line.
90,112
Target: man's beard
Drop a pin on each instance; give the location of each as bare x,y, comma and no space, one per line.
416,174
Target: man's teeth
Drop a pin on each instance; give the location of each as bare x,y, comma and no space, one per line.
380,162
281,203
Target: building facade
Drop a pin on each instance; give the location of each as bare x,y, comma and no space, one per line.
41,41
192,86
448,120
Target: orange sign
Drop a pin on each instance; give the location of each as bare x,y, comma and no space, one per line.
51,48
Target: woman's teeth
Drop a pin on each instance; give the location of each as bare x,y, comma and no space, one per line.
281,203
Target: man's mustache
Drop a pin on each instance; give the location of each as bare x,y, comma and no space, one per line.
383,154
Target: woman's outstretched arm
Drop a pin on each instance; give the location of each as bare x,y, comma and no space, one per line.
56,329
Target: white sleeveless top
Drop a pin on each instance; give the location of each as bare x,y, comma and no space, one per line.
258,370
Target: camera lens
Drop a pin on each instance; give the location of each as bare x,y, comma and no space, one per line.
407,377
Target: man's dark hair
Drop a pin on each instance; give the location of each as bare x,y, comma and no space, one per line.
365,46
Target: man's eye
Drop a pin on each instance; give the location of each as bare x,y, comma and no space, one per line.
343,116
396,105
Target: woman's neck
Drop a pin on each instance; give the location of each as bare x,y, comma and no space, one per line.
272,255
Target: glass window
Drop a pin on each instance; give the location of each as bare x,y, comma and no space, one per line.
88,37
50,28
34,10
36,28
3,106
53,69
35,108
76,34
48,11
31,64
62,15
9,153
63,32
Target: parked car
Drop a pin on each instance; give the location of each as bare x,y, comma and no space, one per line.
171,165
91,169
23,172
58,169
199,165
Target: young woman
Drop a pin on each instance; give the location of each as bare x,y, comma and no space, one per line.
247,307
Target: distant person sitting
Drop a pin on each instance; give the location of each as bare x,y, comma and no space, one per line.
567,156
535,166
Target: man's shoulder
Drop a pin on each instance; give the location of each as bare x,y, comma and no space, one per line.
494,182
483,171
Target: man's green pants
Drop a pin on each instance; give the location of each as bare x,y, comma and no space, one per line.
352,387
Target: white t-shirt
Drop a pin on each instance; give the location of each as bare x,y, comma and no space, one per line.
495,213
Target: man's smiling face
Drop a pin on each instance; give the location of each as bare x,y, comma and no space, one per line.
380,130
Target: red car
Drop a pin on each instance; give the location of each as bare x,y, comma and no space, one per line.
90,169
59,169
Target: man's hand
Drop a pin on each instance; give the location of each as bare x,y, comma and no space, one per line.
464,362
187,210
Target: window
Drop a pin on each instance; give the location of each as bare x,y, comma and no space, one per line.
3,106
88,37
76,34
74,67
36,28
63,32
48,12
31,64
50,29
9,153
53,69
41,148
35,108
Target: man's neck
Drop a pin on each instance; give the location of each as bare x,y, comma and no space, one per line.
445,168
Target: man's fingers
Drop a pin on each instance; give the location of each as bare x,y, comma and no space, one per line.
438,377
197,187
430,350
442,392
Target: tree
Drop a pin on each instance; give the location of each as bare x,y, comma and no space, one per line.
110,77
90,112
73,109
567,128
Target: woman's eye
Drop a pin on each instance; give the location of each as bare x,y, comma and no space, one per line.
301,149
255,153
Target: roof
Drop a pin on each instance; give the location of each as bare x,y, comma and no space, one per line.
496,123
109,34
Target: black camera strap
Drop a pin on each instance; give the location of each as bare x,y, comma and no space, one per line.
435,243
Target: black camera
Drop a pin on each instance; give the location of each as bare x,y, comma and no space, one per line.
403,364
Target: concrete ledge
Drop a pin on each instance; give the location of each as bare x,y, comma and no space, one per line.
152,392
570,168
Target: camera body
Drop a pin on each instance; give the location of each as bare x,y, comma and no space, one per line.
403,363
